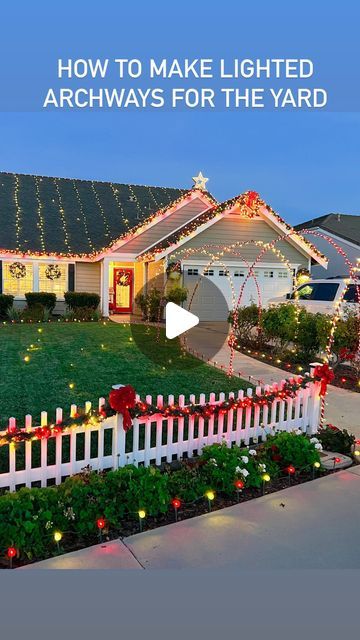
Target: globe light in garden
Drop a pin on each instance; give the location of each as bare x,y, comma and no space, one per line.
58,537
291,471
142,516
176,503
11,553
210,495
316,466
100,523
239,485
265,478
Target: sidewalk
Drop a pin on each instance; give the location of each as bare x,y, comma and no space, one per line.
309,526
342,409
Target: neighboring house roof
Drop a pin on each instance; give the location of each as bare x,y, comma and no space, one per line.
340,224
47,215
251,205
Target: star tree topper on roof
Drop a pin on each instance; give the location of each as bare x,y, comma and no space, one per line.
200,182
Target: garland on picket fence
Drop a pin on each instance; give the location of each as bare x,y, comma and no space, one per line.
123,401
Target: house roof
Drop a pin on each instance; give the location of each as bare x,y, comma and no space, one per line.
340,224
251,205
63,216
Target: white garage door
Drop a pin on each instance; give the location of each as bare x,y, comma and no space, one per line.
273,281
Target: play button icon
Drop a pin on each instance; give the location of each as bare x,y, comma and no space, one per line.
178,320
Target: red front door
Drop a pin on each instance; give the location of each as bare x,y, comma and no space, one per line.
123,290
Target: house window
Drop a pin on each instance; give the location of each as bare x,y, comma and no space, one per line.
193,272
268,274
208,272
53,278
17,278
283,274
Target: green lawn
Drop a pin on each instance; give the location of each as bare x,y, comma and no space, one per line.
92,357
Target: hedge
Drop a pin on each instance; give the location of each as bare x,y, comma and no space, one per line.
82,299
35,298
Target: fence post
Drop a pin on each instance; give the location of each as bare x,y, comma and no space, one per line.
314,403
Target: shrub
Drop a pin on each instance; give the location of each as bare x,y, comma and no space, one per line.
83,313
347,333
81,299
177,295
13,314
337,440
224,465
247,319
292,448
35,298
6,302
279,324
188,483
151,304
35,313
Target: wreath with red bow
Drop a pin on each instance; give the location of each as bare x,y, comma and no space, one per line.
121,400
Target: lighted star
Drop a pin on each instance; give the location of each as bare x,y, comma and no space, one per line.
200,182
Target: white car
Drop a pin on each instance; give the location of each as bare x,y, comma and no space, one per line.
322,296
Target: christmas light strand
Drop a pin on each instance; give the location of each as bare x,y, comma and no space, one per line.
41,221
62,214
83,215
101,209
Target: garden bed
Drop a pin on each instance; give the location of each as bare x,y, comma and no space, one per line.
88,508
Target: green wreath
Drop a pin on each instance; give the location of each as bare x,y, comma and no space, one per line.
53,272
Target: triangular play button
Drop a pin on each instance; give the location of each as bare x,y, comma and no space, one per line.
178,320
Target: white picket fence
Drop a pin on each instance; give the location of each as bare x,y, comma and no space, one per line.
153,439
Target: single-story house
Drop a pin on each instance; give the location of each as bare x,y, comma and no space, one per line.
59,234
344,230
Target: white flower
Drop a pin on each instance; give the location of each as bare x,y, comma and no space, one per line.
313,440
298,432
238,470
262,467
213,461
245,459
244,472
318,446
252,452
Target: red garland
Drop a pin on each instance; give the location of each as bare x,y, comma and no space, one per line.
121,400
326,376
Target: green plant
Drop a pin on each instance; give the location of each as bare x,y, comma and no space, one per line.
246,319
6,302
85,314
81,299
347,333
177,295
150,304
187,483
279,323
46,300
224,465
334,439
35,313
13,314
292,449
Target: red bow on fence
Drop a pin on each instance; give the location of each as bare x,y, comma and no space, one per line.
121,400
326,376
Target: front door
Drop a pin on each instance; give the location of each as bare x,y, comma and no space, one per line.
123,290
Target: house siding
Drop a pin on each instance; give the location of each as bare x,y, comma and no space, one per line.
164,227
88,277
231,229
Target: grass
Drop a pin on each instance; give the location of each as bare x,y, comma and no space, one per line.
92,357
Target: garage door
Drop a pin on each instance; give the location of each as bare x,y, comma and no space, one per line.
209,305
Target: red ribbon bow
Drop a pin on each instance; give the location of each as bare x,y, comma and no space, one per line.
250,198
326,376
121,400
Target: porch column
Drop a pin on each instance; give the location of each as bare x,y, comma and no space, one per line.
35,276
105,287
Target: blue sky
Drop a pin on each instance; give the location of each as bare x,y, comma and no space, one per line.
303,163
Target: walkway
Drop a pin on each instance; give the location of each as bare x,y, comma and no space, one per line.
309,526
343,407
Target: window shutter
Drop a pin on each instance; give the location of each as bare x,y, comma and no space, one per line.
71,277
0,276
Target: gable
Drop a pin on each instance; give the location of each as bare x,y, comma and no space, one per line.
234,228
164,227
